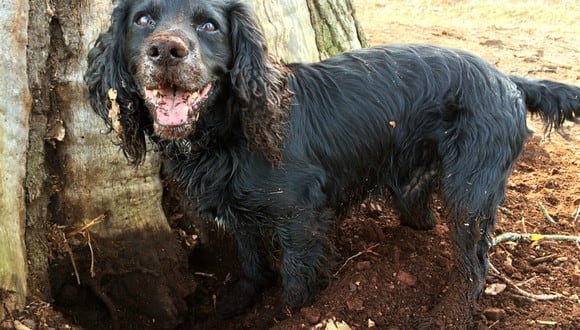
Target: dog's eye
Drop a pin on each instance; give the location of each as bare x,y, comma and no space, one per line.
207,27
144,20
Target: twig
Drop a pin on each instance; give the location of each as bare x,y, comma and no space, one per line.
493,269
86,226
532,237
546,214
99,292
84,231
542,322
531,296
368,250
543,259
205,274
493,324
72,258
92,269
505,210
575,222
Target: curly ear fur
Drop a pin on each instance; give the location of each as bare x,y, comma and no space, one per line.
259,84
107,70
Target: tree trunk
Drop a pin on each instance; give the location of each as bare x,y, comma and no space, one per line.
94,223
335,27
14,114
112,229
309,30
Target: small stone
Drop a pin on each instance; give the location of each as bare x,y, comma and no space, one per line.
494,314
406,278
311,315
29,323
493,43
575,280
509,268
495,288
19,326
363,265
353,287
518,276
337,325
6,324
542,269
355,304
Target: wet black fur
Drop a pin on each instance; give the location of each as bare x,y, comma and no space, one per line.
286,149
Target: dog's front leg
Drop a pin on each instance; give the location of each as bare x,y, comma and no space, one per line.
237,296
305,253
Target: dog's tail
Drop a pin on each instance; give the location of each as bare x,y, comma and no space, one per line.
554,102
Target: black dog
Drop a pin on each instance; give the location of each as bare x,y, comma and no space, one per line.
285,149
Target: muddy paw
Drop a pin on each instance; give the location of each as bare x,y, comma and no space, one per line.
424,221
235,298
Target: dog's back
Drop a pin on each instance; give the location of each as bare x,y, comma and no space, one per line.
386,117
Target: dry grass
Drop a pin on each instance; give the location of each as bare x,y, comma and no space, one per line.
530,38
560,17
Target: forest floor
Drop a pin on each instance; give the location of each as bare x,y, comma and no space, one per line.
387,273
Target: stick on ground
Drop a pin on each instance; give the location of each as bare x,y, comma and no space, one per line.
532,237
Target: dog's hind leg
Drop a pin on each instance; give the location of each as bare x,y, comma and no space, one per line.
237,296
467,278
471,233
473,183
413,200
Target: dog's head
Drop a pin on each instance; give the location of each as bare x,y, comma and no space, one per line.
169,62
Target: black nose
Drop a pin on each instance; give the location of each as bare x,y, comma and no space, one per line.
168,50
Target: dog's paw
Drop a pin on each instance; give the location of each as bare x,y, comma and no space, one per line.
425,221
235,298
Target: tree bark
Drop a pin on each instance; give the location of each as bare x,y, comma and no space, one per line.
133,243
14,114
335,26
38,183
309,30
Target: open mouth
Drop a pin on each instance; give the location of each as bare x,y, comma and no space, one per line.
172,107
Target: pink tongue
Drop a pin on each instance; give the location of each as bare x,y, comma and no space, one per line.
170,106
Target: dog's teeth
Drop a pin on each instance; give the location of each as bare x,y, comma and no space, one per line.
195,94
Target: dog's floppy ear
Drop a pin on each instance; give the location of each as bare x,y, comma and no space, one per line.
259,84
112,92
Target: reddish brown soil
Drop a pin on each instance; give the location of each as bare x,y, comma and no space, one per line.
387,274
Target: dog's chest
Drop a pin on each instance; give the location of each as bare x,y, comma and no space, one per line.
214,197
223,188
